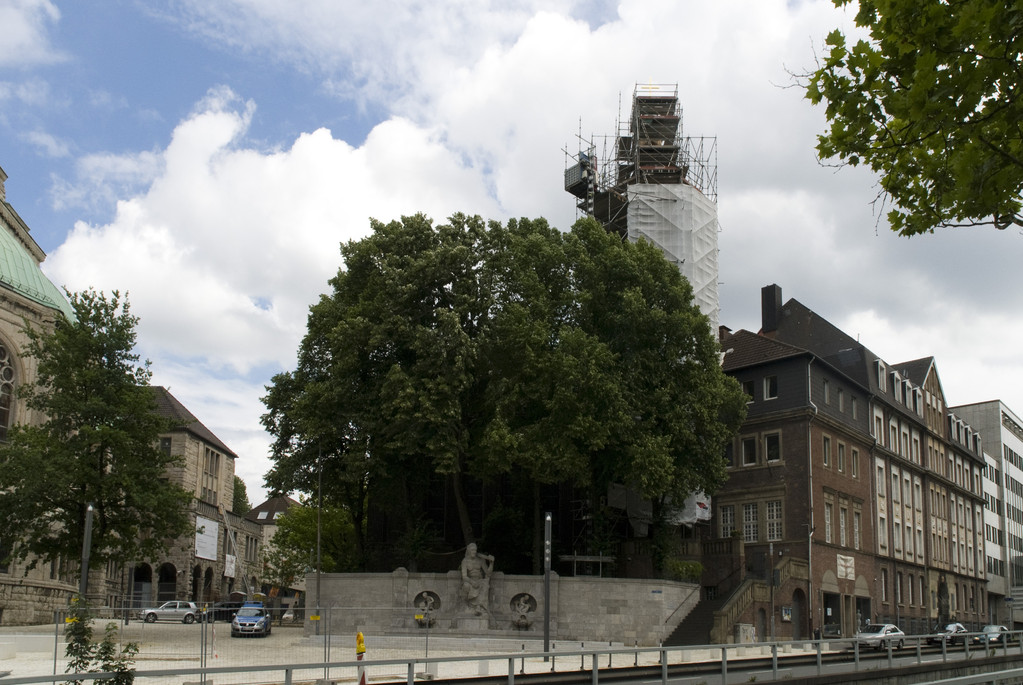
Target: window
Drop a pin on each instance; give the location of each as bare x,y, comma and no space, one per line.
749,451
854,464
842,538
841,457
747,387
841,400
727,520
770,387
827,392
882,532
772,446
857,527
884,585
750,532
827,451
855,409
6,390
774,523
828,507
165,446
210,476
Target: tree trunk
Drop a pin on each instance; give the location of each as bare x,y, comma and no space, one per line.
463,511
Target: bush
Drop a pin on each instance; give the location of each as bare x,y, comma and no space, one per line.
86,656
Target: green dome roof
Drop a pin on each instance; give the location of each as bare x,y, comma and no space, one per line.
20,272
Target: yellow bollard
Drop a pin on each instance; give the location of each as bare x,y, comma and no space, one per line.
360,651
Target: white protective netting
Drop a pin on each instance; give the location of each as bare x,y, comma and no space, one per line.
683,223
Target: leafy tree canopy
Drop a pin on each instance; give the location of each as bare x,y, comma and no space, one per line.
97,445
932,104
292,550
466,348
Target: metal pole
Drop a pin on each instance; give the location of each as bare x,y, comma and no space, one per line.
83,582
547,586
770,548
319,508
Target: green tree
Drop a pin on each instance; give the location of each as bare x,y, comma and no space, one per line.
242,505
97,445
292,549
931,103
518,351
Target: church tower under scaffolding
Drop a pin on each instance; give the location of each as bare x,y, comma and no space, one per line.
653,183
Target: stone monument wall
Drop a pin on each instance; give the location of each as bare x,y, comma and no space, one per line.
583,609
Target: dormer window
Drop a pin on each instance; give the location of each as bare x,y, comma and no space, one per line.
882,374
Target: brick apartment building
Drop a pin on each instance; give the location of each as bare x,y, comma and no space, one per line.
851,484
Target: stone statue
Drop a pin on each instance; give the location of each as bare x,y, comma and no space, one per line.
476,569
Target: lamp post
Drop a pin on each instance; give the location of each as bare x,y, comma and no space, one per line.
83,581
547,586
319,508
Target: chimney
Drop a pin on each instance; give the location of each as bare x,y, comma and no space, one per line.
770,308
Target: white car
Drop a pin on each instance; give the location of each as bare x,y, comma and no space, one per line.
186,612
879,635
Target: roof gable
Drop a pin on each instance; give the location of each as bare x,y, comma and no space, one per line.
169,407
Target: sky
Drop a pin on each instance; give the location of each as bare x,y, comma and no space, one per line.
209,157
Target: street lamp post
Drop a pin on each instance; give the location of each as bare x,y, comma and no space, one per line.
547,587
83,581
319,508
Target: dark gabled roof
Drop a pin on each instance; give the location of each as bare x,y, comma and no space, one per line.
743,349
271,508
917,371
169,407
804,328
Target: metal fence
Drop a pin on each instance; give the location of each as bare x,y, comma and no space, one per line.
203,652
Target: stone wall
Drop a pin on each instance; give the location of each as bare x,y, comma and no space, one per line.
583,609
31,600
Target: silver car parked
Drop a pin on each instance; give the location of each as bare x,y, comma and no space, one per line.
880,635
186,612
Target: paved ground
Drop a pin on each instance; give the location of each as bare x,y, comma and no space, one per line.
169,645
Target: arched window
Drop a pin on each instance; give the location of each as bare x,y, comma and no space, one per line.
6,390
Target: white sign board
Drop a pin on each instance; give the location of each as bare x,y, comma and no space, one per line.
229,565
206,534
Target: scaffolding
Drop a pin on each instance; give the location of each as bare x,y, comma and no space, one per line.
648,149
650,182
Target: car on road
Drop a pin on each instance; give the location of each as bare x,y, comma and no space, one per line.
992,635
185,612
250,620
879,635
951,633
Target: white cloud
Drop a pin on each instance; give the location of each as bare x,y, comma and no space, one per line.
49,144
227,247
32,92
25,25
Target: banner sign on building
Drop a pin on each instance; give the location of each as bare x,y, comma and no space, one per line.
206,534
229,565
